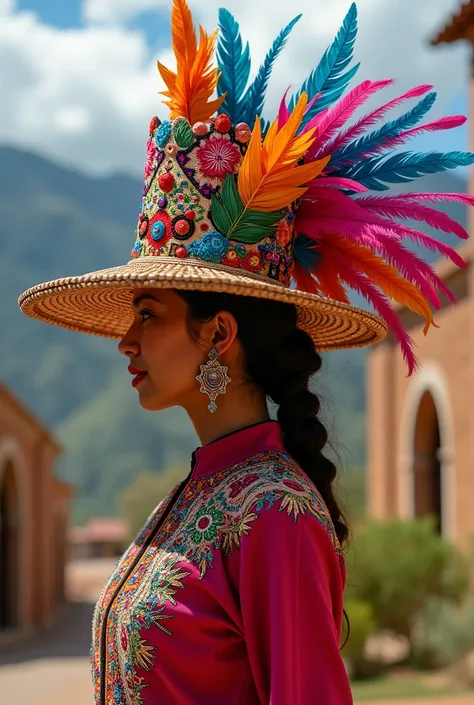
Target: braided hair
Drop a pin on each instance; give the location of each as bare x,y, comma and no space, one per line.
280,358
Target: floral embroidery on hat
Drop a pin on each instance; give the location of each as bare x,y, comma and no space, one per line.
218,156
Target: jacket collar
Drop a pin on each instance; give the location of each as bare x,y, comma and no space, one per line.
236,447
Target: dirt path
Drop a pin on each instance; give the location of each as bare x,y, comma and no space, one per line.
53,668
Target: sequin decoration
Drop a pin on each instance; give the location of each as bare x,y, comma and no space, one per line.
213,379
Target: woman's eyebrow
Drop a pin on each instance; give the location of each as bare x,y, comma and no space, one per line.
142,297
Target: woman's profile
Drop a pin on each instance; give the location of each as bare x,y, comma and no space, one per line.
249,238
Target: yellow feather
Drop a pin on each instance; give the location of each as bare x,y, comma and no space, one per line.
269,178
191,87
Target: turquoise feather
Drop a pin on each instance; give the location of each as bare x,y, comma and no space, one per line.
234,62
376,172
328,78
254,98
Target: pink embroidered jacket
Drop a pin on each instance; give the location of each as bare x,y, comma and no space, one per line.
232,594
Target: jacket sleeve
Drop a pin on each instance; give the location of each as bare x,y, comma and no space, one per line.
291,598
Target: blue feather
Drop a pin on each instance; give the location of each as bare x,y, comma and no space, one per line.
356,149
306,254
376,172
255,96
328,77
234,63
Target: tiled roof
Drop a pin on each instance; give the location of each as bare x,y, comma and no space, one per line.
460,26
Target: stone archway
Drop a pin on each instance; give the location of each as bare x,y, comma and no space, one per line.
427,446
10,546
426,471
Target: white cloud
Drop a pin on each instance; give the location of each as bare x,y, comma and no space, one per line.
85,96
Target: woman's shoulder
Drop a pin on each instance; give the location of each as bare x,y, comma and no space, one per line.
273,481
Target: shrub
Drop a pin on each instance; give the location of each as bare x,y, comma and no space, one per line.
396,566
362,626
443,633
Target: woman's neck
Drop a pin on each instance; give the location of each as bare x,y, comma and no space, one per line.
242,406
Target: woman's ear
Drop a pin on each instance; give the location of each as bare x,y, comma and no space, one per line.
221,332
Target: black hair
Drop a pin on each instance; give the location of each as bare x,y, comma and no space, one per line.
280,358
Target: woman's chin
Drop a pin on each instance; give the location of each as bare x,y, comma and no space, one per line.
150,402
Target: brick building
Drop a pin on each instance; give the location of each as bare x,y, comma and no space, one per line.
421,429
34,510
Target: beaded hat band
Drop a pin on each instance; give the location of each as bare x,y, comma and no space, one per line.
279,210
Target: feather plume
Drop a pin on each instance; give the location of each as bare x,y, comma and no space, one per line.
234,62
190,89
336,213
330,121
359,127
328,78
253,101
268,177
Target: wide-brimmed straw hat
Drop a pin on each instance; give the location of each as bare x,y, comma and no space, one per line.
274,210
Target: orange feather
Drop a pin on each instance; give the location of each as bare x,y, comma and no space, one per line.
382,275
191,87
269,178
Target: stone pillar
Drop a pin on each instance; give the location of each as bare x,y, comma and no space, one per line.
380,475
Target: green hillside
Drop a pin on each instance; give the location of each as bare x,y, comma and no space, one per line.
55,222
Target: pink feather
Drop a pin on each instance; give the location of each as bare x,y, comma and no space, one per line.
414,268
337,182
283,112
393,207
362,284
371,119
446,123
464,198
331,120
399,232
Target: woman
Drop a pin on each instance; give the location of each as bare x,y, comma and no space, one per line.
232,594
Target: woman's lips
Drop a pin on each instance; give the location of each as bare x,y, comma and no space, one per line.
138,375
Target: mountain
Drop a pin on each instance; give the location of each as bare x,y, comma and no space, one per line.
56,222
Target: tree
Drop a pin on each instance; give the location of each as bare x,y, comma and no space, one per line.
138,501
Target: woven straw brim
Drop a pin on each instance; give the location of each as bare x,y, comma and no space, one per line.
100,302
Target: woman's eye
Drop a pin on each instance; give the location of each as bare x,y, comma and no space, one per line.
145,315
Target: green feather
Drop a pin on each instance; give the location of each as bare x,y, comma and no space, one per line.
236,222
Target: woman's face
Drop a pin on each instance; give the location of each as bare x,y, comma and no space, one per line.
164,360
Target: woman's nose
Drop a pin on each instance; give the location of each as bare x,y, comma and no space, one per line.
129,345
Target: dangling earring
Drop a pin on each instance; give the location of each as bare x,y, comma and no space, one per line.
214,379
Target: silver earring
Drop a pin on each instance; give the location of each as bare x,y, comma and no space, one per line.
214,379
